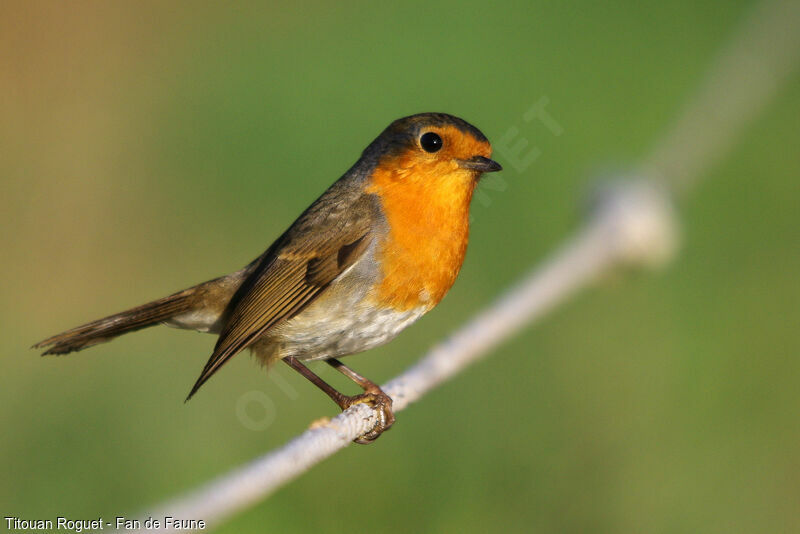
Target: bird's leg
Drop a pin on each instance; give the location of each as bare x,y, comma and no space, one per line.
329,390
373,395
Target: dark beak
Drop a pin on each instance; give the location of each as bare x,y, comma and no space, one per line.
480,164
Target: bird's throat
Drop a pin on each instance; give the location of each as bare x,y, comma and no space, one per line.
428,217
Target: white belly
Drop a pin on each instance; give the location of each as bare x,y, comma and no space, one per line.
321,332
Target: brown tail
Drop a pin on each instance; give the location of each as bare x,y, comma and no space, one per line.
115,325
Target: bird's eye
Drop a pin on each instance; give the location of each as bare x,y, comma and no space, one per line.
430,142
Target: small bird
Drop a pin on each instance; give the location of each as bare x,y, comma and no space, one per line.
379,249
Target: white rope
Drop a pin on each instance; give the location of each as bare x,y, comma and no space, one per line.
742,81
632,224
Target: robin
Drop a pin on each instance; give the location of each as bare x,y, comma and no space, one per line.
379,249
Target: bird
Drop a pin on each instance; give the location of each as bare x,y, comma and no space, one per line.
375,252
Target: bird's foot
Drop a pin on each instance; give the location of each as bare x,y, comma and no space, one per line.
373,395
382,403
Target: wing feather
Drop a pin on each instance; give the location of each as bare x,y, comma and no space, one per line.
290,275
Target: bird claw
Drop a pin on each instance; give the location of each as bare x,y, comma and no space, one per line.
382,403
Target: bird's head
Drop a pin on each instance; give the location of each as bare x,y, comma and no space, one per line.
430,147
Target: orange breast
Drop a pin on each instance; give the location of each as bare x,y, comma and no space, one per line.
426,205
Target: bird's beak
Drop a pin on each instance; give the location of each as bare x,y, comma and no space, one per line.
480,164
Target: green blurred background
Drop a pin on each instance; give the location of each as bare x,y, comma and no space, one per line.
148,146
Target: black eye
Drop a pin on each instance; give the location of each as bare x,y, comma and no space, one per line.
430,142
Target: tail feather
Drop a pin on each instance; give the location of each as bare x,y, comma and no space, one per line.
108,328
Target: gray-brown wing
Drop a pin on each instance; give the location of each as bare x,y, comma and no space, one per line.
288,278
